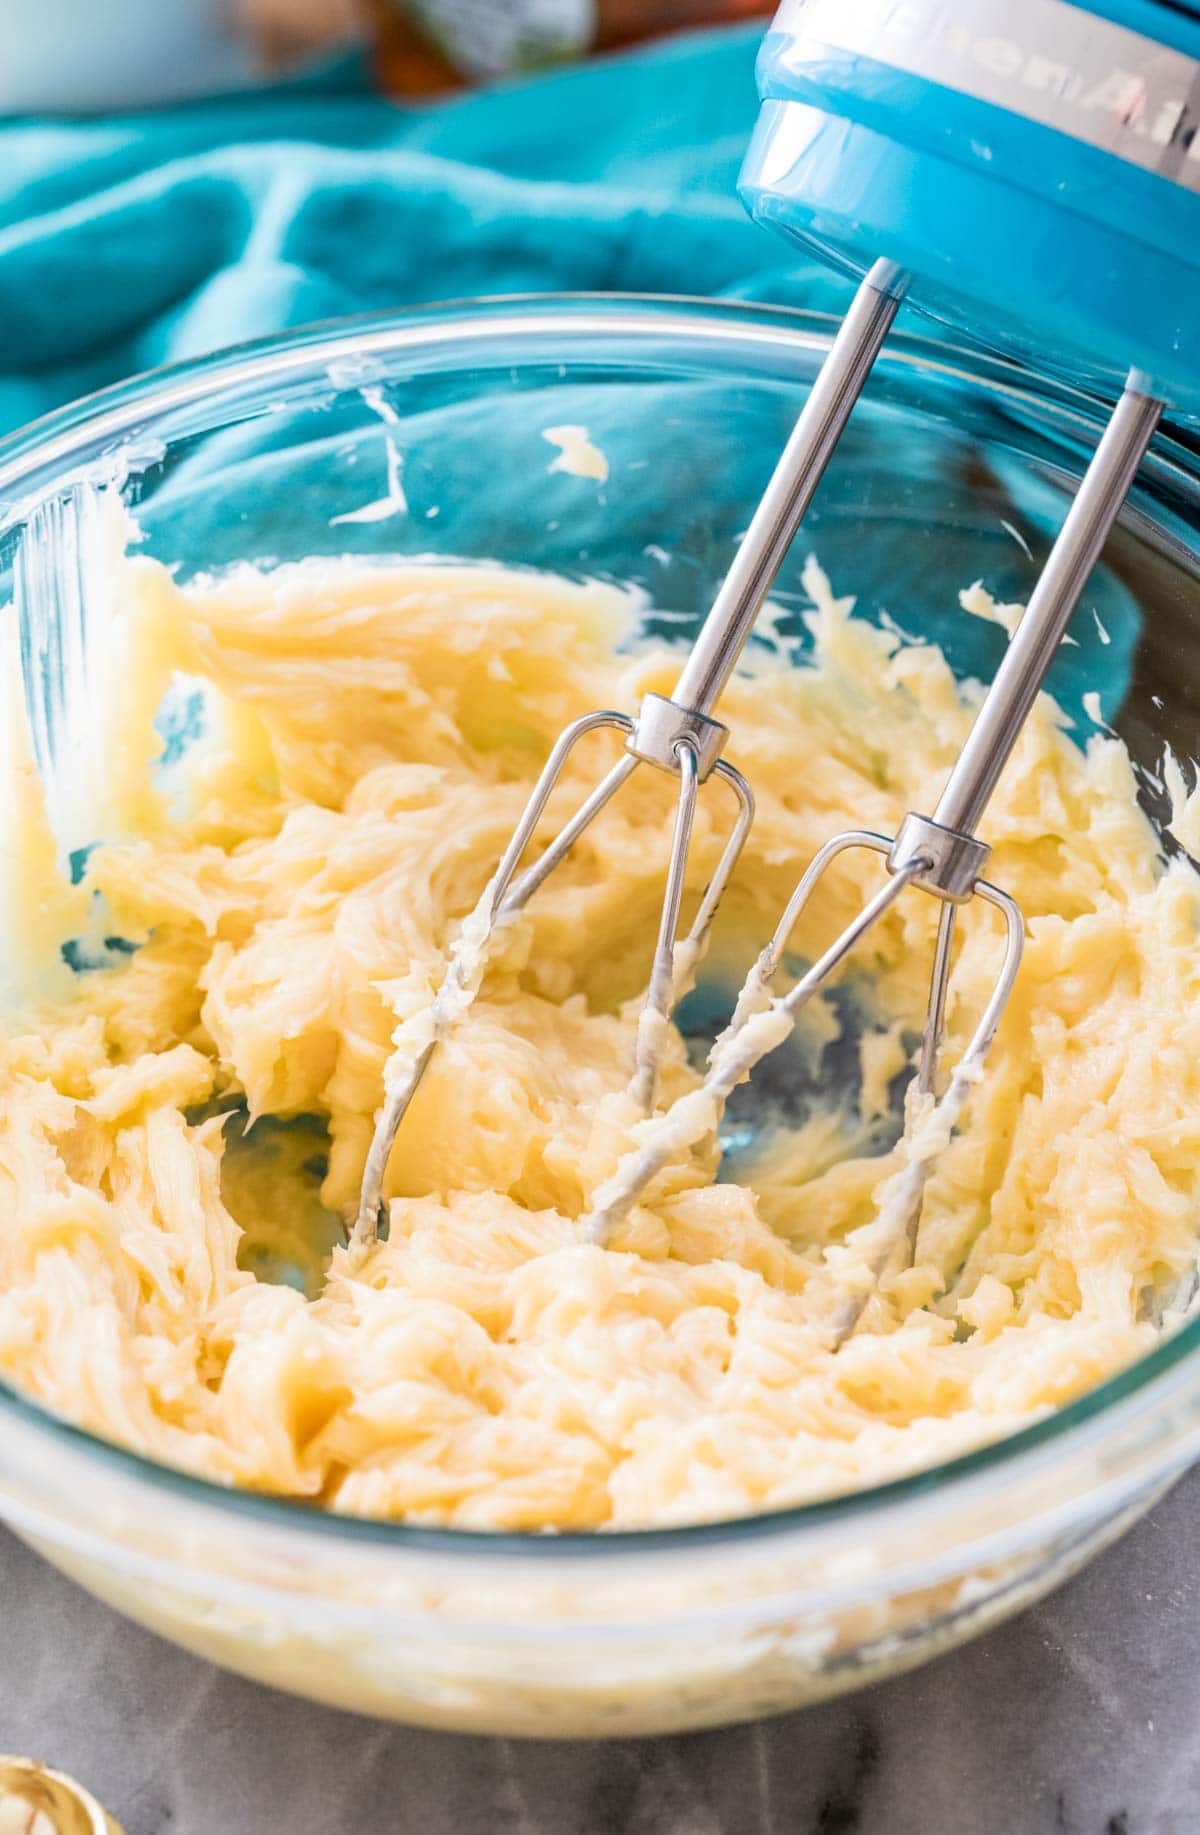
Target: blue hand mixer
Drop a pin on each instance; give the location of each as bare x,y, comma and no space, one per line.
1028,171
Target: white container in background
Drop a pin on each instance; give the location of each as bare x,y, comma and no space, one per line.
80,56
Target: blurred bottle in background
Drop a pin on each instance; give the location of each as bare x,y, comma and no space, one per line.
427,46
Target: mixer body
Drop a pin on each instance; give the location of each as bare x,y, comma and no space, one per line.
1033,165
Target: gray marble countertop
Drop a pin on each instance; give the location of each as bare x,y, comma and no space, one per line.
1081,1716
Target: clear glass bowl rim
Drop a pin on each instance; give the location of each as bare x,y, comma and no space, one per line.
120,411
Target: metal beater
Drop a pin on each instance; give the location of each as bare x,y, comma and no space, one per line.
939,854
676,734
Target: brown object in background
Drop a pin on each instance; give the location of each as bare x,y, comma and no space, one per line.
415,42
286,32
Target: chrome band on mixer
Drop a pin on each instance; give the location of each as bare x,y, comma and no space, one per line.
1045,60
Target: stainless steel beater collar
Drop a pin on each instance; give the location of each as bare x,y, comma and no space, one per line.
663,725
948,863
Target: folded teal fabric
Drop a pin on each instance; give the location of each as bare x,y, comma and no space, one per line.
129,242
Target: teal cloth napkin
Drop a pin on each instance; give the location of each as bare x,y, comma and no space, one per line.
128,242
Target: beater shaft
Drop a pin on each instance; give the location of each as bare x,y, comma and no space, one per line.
785,501
1018,682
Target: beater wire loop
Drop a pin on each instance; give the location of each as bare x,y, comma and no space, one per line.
507,894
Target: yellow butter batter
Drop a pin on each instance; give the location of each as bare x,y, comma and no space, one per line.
292,885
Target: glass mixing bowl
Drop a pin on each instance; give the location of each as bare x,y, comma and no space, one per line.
955,467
